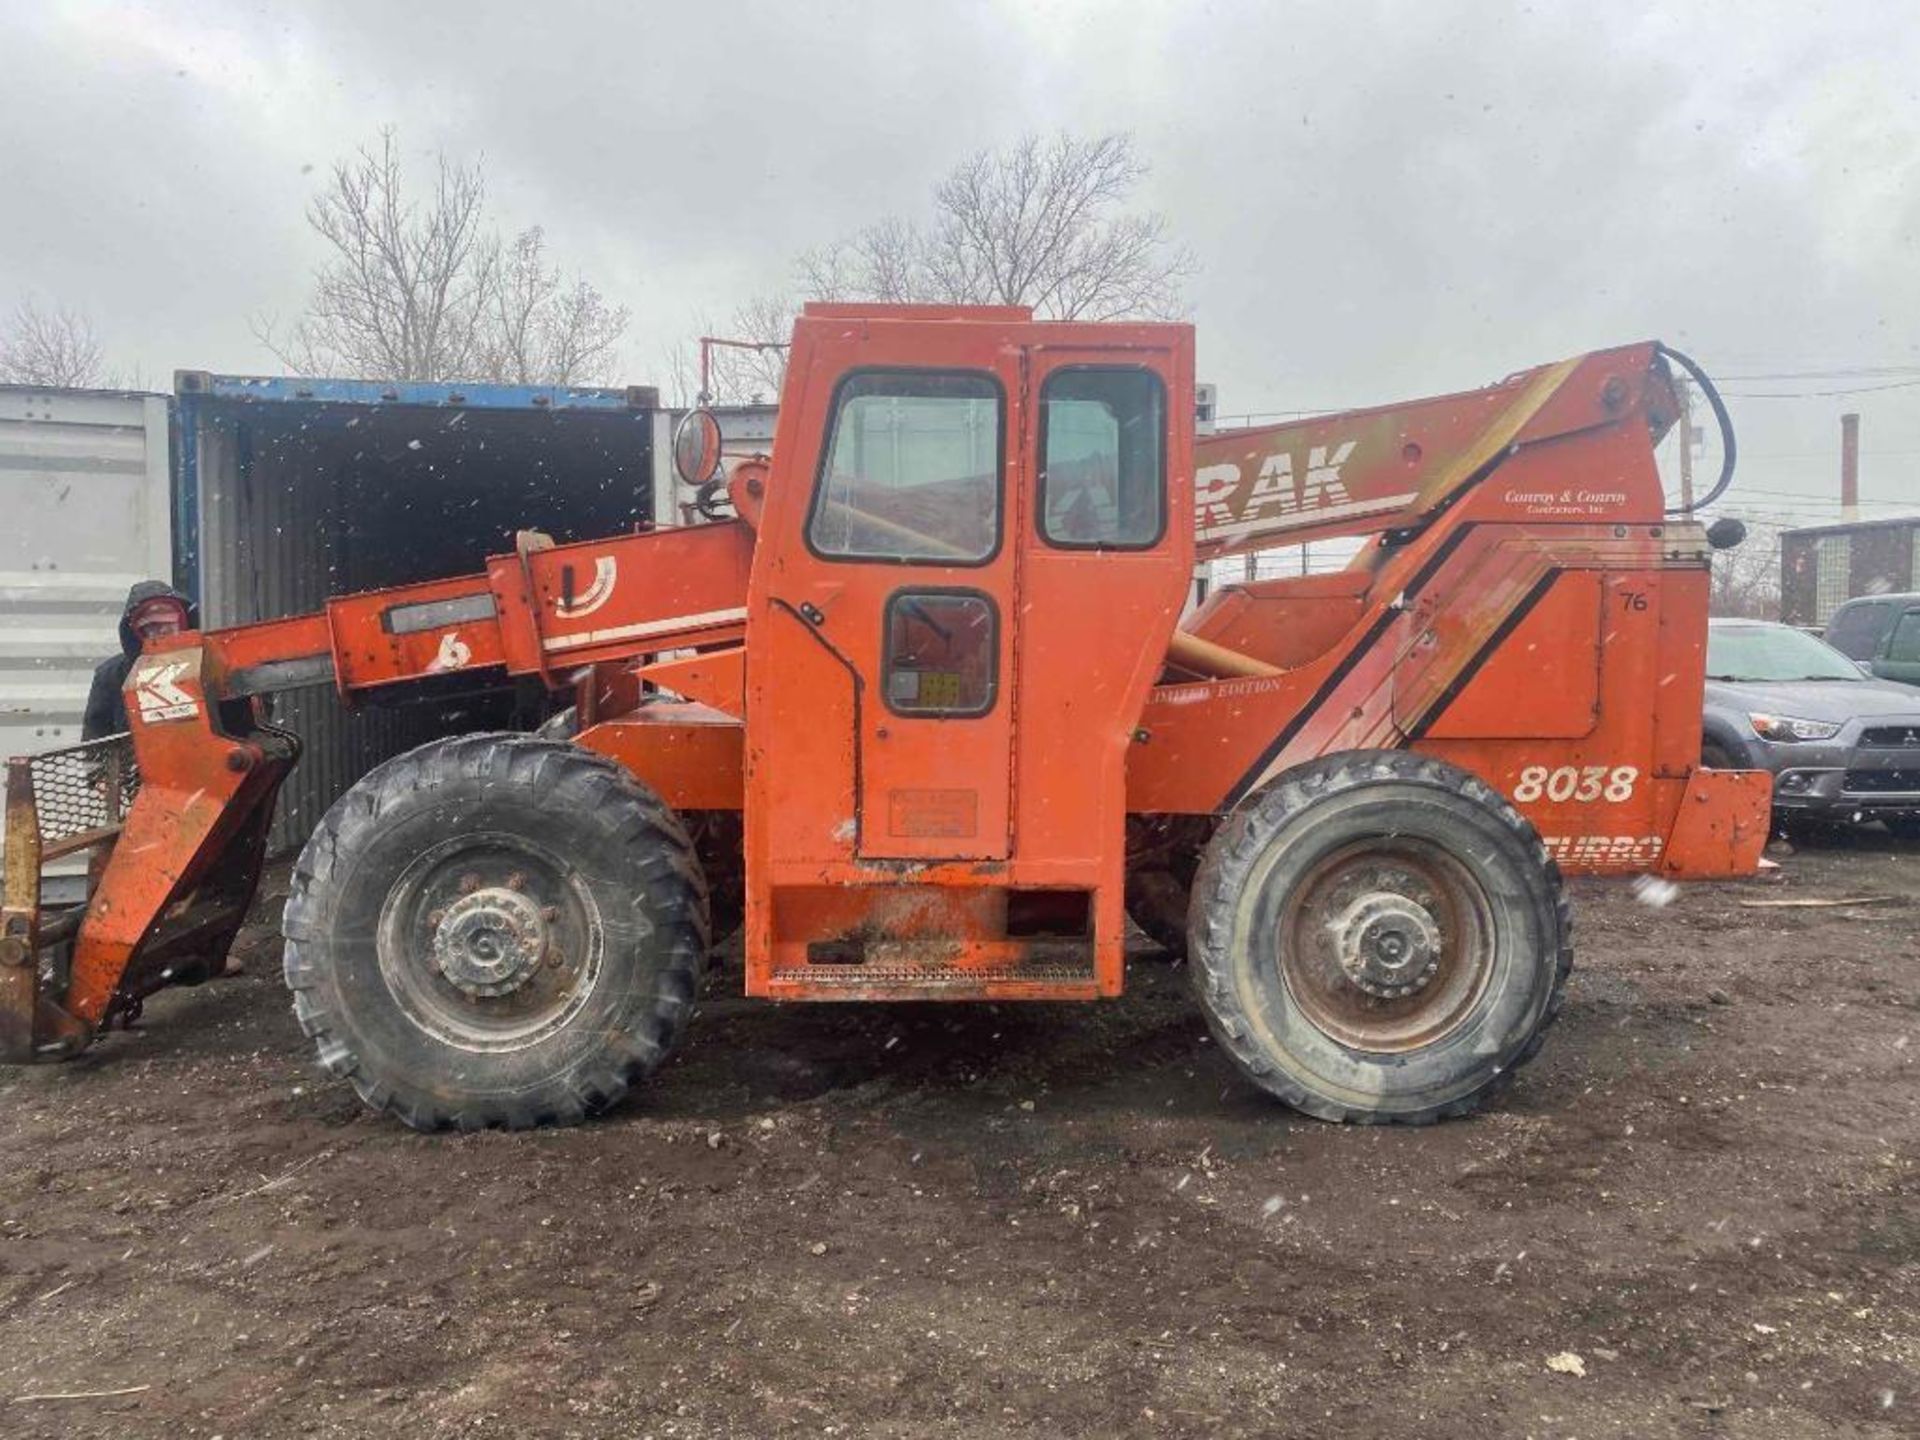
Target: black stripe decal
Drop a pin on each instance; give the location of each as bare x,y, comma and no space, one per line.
1419,582
1472,668
1306,712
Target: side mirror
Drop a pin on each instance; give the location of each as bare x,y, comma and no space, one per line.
696,447
1726,532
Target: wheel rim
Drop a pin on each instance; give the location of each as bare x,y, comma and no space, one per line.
489,942
1386,945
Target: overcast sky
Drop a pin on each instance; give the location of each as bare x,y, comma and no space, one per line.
1385,199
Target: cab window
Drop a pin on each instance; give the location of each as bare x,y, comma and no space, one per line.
1103,459
912,469
942,652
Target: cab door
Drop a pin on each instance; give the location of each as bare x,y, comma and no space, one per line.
880,657
1107,552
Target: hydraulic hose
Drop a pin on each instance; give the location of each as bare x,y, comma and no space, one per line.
1727,447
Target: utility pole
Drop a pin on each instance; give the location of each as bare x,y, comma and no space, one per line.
1686,444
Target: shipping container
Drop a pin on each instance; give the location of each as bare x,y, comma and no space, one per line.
287,491
84,500
1822,565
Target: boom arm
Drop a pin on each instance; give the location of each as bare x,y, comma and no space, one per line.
1362,472
544,610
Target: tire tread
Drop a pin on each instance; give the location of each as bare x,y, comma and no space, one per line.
590,786
1245,834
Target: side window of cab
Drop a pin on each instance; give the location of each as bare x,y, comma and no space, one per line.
1103,459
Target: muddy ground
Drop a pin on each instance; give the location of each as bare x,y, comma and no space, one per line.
1016,1221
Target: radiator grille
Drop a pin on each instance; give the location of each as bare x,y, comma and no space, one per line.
1891,737
1882,782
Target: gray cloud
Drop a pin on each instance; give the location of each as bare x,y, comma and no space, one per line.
1385,198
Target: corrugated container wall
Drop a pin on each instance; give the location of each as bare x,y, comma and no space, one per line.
83,514
291,491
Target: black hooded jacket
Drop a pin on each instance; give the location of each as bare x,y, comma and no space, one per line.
106,705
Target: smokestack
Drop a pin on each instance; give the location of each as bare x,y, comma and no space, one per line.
1849,467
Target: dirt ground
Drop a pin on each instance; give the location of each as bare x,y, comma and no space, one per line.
1016,1221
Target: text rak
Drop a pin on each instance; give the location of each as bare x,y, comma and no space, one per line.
1283,491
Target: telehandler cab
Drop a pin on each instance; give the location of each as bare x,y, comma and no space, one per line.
927,710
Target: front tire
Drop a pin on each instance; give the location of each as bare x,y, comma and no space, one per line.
1379,937
495,930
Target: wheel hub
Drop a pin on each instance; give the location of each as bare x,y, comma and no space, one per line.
490,942
1388,945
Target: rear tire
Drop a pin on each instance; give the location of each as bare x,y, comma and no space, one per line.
1379,937
495,930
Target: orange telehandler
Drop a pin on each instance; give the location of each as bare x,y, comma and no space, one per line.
924,712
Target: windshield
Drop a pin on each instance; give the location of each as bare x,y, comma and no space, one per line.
1773,652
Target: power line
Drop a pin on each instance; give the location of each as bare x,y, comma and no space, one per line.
1746,455
1847,372
1802,496
1816,394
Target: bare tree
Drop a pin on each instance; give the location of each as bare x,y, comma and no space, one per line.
748,370
425,290
1746,579
55,346
543,328
1042,224
888,260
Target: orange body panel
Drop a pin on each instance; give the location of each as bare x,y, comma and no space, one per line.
1549,636
690,755
716,677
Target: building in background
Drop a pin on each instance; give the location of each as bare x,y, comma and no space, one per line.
1822,565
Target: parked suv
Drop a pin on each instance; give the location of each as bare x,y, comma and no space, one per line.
1841,745
1882,632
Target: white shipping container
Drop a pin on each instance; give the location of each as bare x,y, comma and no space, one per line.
84,513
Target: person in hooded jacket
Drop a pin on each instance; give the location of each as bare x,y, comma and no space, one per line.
153,608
